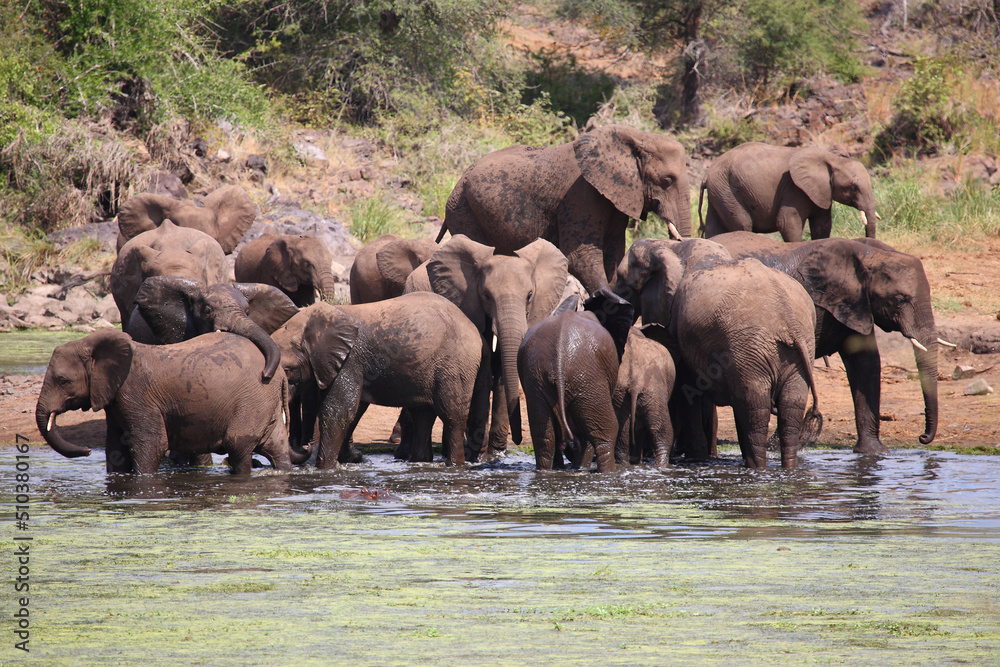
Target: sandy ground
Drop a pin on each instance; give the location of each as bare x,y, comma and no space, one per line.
966,290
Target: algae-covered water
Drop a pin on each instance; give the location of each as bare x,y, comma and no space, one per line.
29,351
844,560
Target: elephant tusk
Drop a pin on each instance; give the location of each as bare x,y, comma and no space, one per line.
864,218
284,418
673,232
946,343
916,344
877,216
52,418
494,338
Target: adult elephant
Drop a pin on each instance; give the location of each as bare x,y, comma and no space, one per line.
297,265
177,309
578,195
761,188
856,285
380,268
224,214
505,294
197,397
416,351
167,250
568,365
720,315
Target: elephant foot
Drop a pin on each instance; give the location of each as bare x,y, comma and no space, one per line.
397,434
870,448
348,454
300,455
493,455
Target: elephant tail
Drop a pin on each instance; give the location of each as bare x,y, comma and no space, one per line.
634,398
812,425
560,411
701,196
441,233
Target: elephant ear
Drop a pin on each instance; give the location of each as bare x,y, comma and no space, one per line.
569,305
234,214
833,274
397,259
279,263
810,171
608,159
165,303
453,272
269,307
327,341
142,213
549,275
109,365
614,313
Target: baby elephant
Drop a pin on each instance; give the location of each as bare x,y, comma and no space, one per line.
416,351
201,396
645,382
568,365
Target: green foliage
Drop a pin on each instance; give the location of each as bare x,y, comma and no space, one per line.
570,88
373,217
728,132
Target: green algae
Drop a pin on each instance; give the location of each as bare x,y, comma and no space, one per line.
29,351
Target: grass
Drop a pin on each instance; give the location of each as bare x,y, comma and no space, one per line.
373,217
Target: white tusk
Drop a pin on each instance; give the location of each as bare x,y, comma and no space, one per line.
864,218
877,216
673,231
946,343
494,342
916,344
284,418
52,418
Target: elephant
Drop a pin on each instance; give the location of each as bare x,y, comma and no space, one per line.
416,351
744,336
200,396
297,265
176,309
167,250
855,285
497,293
380,268
224,214
646,379
761,188
578,195
568,365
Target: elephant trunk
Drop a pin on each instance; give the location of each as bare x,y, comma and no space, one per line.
869,216
512,323
46,421
247,328
927,370
324,283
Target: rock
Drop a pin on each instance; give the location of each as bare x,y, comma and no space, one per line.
199,146
33,304
102,323
256,162
978,388
309,152
963,372
45,290
224,156
340,272
105,233
285,216
166,183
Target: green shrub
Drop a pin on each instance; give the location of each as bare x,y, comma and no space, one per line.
373,217
569,88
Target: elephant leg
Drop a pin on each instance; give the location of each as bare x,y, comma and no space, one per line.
148,447
821,224
349,453
660,430
599,430
275,449
790,223
452,438
864,366
240,455
397,431
479,411
614,250
336,416
714,224
405,446
626,451
541,423
694,419
586,262
423,421
753,414
118,455
500,422
791,411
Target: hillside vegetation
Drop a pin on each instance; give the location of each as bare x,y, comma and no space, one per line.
96,95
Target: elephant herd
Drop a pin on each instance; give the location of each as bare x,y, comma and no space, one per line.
243,361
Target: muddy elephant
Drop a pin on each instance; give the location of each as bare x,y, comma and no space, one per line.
200,396
568,365
224,214
416,351
761,188
380,268
646,379
744,336
578,195
856,285
177,309
502,294
297,265
167,250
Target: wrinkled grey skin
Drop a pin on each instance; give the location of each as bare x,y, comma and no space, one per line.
732,348
297,265
855,285
579,196
167,250
224,214
646,379
380,268
568,364
501,294
200,396
761,188
416,351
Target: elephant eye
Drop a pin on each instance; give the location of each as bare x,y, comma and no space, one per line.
530,294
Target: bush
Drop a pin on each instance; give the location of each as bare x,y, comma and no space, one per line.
371,218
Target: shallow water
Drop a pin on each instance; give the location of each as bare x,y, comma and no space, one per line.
843,560
26,352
